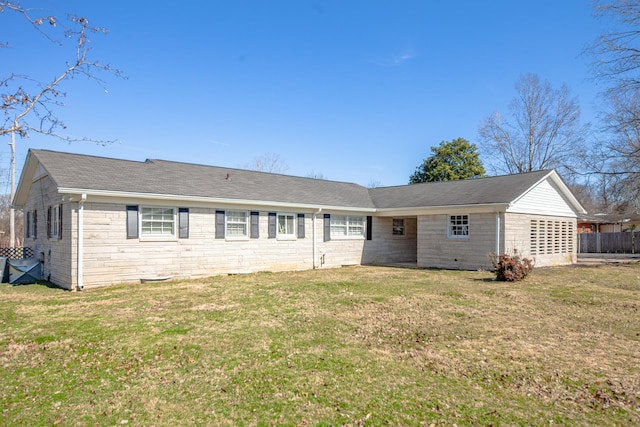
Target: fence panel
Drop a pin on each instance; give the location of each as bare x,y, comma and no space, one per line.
612,243
16,253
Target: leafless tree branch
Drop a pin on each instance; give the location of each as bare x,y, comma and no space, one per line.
24,100
544,133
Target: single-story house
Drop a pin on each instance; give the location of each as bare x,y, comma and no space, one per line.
96,221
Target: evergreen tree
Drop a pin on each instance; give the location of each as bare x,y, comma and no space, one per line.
456,159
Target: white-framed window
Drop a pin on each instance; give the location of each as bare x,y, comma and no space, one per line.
348,225
286,225
54,221
458,226
157,221
237,224
398,227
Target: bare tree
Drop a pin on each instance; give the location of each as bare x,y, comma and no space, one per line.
374,183
5,239
544,131
317,175
30,105
270,162
614,162
616,53
618,157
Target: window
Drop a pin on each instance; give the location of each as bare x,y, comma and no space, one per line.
54,222
237,224
157,221
345,225
398,227
458,226
32,224
183,223
286,225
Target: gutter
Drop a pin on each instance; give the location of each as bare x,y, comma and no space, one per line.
80,248
425,210
315,233
497,233
210,200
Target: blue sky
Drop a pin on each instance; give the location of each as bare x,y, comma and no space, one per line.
354,90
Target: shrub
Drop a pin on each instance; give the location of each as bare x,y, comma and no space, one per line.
511,268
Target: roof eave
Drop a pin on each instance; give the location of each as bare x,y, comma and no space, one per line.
24,184
208,200
422,210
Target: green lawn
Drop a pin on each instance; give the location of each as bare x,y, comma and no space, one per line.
352,346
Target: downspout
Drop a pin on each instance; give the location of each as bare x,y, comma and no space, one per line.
80,263
497,233
315,233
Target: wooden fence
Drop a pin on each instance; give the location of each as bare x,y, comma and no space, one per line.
609,243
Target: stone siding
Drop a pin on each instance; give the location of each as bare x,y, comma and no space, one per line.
56,254
437,250
109,257
385,248
518,238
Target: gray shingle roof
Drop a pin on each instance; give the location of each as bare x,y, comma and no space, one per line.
480,191
160,177
191,180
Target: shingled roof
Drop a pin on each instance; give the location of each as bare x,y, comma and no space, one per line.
480,191
76,173
82,173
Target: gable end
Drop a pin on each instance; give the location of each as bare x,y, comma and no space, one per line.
544,199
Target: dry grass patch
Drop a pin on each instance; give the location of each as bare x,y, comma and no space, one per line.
352,346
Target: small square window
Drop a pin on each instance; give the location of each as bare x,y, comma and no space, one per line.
458,226
398,227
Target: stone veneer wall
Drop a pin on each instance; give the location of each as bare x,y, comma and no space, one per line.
436,250
385,248
57,254
109,257
518,238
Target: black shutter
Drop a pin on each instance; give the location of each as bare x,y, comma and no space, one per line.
29,214
369,227
327,227
132,221
49,222
60,221
219,224
183,223
300,226
272,225
255,225
35,224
